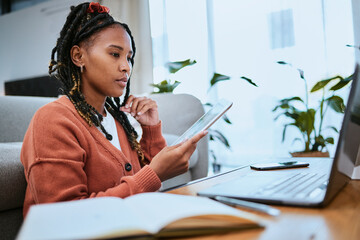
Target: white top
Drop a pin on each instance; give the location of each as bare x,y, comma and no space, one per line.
110,126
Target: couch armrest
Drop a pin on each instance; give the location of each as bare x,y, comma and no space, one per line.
12,180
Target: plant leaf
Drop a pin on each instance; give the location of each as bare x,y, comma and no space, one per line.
321,84
282,62
173,67
301,73
284,103
329,140
342,83
226,119
319,142
217,77
336,103
165,86
213,155
288,100
216,134
249,81
294,115
276,118
333,128
305,121
284,131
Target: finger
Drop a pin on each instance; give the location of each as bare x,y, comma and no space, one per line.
145,106
192,141
124,109
189,151
129,101
171,147
142,103
134,106
198,136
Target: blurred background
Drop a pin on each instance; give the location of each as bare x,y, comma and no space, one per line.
237,38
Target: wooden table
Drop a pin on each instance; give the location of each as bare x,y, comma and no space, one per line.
339,220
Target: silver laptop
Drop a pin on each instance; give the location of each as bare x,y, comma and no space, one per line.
314,186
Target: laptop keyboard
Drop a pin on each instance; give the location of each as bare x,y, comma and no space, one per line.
300,185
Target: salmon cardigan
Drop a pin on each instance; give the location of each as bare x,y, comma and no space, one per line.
65,159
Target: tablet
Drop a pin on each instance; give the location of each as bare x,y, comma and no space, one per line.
208,119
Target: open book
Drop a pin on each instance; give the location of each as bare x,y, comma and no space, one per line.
145,214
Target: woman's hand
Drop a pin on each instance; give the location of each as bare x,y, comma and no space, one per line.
143,109
174,160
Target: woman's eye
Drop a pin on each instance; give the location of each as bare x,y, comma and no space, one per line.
115,55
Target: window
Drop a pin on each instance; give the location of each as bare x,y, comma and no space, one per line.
281,26
15,5
247,38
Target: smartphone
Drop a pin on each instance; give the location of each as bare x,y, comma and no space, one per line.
278,165
208,119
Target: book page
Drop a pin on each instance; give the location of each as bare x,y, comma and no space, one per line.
80,219
160,209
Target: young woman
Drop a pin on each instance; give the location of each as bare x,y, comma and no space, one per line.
82,145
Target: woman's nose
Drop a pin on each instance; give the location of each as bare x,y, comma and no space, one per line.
125,66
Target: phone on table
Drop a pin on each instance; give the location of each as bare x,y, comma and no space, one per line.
279,165
208,119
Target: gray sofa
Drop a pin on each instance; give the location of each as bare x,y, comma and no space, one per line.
177,112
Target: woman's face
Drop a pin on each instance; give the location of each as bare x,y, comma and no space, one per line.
107,65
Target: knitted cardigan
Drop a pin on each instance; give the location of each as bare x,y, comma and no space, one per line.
66,159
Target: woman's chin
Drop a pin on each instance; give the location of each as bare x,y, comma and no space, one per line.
116,95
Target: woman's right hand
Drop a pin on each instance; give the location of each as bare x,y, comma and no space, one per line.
174,160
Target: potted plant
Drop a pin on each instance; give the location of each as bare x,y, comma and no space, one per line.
309,120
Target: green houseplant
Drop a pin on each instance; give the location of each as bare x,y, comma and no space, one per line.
169,85
216,134
309,121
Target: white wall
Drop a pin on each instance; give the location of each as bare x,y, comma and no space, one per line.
27,38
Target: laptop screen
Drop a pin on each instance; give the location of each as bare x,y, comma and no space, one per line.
347,157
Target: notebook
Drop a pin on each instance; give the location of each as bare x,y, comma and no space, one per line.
313,186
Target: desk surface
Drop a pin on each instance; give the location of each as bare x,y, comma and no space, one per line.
339,220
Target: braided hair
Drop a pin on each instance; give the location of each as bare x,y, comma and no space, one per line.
80,25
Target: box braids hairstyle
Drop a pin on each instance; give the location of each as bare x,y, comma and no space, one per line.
83,21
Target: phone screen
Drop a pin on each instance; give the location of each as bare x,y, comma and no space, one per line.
206,120
279,165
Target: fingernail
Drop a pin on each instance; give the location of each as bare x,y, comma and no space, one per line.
132,114
139,113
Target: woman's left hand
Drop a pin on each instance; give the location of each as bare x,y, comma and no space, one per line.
143,109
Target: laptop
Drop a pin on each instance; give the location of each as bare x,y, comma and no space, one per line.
315,186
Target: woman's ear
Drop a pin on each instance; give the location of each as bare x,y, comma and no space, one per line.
76,56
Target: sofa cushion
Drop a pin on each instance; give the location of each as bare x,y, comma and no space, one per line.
12,179
19,111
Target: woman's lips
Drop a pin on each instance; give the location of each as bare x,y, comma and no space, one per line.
122,82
